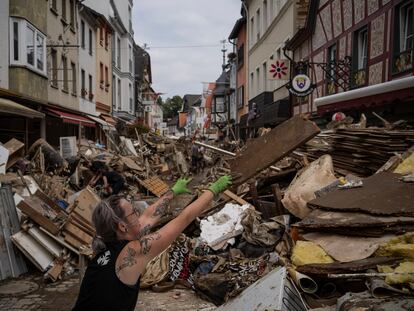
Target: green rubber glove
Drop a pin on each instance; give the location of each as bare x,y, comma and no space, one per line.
221,184
180,186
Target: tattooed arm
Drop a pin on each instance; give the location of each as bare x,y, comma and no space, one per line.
154,212
134,257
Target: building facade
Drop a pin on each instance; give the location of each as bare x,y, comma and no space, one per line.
360,56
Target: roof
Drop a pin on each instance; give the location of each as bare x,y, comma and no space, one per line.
305,32
100,17
236,28
190,100
222,83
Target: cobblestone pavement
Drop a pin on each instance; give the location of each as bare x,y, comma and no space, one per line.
62,295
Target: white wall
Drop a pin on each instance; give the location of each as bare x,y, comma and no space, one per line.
4,47
87,62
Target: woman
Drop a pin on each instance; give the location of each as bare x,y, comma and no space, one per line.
124,245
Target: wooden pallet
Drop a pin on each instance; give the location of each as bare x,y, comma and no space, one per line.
155,185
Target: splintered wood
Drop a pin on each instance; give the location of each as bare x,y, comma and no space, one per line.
155,185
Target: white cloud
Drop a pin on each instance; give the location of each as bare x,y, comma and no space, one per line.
172,23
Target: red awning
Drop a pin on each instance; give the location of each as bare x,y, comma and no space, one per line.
72,118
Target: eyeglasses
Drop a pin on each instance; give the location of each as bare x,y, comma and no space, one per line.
135,211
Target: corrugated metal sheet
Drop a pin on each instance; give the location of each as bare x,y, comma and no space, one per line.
11,261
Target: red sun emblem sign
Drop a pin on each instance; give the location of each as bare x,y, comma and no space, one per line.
278,70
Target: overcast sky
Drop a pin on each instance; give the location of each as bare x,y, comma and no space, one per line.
165,24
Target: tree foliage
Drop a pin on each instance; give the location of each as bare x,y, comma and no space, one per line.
171,106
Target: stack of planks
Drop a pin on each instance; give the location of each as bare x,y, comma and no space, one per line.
360,151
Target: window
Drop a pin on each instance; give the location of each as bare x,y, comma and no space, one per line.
113,92
83,34
54,6
330,73
130,19
40,42
359,55
65,73
101,75
54,81
101,36
264,75
74,86
16,41
30,49
240,56
251,31
279,53
257,80
240,97
130,58
27,46
119,94
90,87
106,79
403,37
258,24
251,86
265,15
83,84
118,53
106,38
64,10
130,98
90,41
72,15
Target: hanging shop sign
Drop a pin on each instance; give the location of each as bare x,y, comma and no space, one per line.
301,85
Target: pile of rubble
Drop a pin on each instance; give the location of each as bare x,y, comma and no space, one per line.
289,234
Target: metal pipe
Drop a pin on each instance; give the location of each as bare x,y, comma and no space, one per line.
227,152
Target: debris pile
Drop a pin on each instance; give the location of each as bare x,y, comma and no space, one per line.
288,234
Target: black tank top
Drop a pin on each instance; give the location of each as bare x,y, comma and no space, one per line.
101,289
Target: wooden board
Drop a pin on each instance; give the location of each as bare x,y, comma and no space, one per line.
155,185
16,151
262,152
32,207
86,203
77,233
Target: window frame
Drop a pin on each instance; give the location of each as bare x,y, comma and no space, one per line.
65,85
402,56
64,15
74,79
21,44
360,38
90,41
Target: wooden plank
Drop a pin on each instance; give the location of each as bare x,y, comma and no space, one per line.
40,194
72,241
262,152
86,203
16,151
33,208
235,197
78,233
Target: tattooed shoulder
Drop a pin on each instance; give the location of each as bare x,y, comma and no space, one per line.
146,242
128,261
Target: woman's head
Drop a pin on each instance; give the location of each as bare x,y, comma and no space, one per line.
114,218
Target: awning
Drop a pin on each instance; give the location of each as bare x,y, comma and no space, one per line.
123,120
382,93
72,118
105,125
11,107
108,119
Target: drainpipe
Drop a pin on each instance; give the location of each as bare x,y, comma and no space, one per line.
247,82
